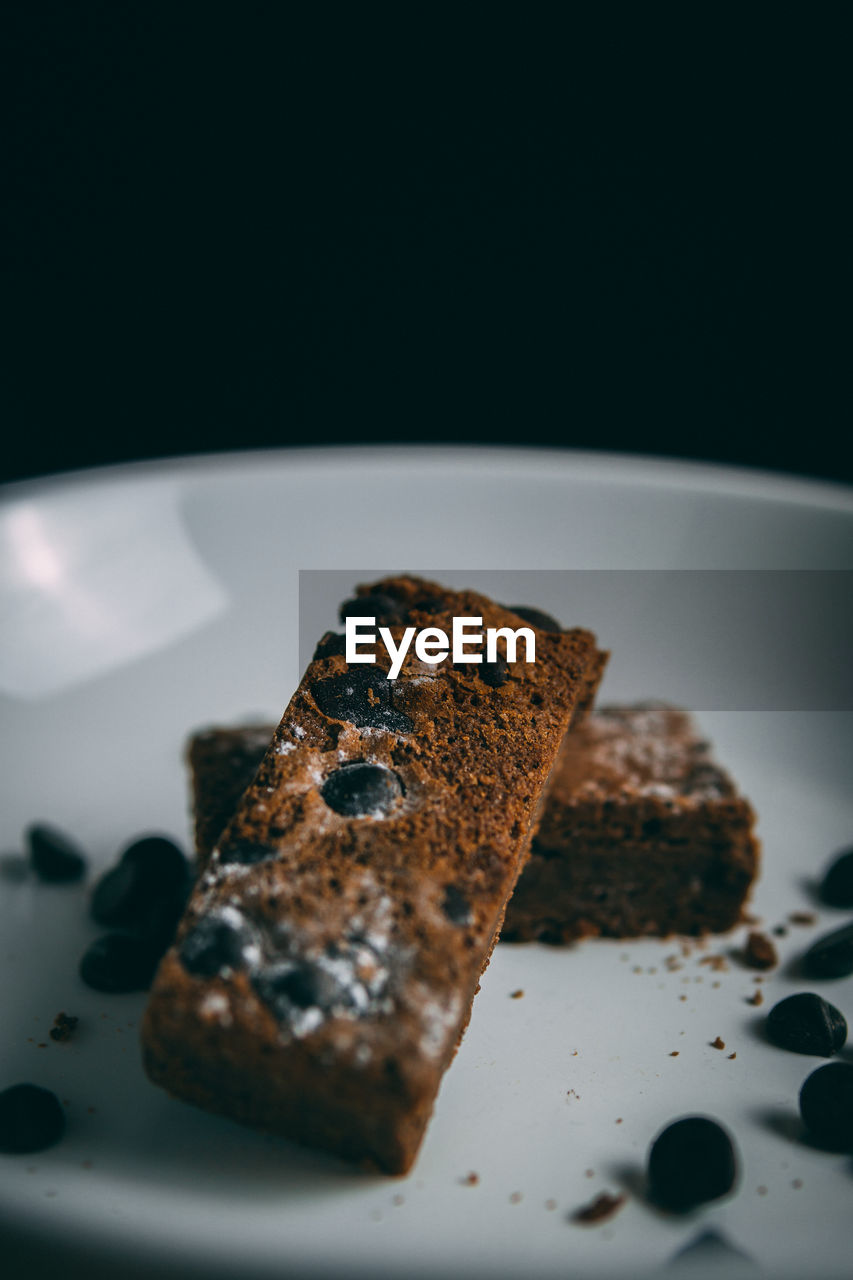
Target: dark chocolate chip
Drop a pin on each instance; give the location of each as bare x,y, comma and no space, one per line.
383,608
159,859
836,888
31,1119
247,852
363,697
826,1105
115,898
160,922
494,674
832,955
217,943
152,871
806,1023
307,986
535,617
691,1161
356,790
331,645
119,962
456,906
301,986
53,856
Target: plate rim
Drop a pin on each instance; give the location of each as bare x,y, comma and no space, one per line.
645,470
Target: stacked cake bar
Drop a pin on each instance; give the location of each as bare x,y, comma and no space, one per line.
356,862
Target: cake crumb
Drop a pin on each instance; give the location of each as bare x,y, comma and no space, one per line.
719,1043
717,962
803,917
779,931
64,1026
515,1198
470,1180
590,1173
759,952
674,1053
619,1120
732,1055
603,1207
757,998
516,995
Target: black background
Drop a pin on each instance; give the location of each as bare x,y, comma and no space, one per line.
230,229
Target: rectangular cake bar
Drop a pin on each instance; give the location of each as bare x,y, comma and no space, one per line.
325,967
642,833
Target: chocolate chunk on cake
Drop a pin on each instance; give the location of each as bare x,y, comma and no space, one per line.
642,834
325,967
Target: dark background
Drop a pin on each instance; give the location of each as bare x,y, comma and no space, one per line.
445,223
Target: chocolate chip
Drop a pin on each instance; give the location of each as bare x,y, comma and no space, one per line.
160,922
53,856
331,645
247,852
115,900
356,790
832,955
363,697
535,617
301,986
690,1162
826,1105
494,674
806,1023
119,962
31,1119
217,943
159,859
456,906
152,871
836,888
383,608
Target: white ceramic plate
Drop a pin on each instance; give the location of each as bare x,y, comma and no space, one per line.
141,602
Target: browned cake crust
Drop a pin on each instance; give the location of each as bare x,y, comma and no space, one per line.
325,968
642,834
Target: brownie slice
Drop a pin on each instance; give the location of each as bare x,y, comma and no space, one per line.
642,834
325,968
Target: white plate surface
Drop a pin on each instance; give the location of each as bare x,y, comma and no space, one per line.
142,602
